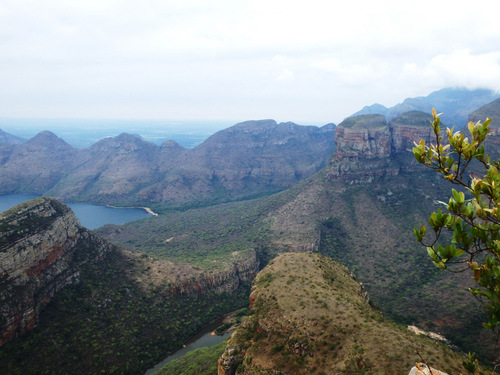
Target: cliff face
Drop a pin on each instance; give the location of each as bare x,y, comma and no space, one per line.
369,147
309,315
365,136
225,281
41,246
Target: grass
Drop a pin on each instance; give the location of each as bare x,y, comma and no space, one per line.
202,361
338,329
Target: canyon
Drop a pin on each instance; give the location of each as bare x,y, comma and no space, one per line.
91,294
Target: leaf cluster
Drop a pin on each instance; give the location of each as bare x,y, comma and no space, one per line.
472,218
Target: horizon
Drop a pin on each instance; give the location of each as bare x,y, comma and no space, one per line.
223,60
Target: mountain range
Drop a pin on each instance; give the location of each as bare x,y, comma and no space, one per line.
455,104
196,264
248,159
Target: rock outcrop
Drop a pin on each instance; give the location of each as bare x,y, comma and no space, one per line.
42,245
225,281
369,147
423,369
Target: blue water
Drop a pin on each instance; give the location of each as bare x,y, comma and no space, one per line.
91,216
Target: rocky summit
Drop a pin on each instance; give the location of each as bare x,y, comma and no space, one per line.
368,146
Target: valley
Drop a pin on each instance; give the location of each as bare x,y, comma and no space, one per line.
242,201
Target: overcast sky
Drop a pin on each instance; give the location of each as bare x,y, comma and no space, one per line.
310,62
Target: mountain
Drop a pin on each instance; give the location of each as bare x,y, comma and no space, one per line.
454,103
360,210
6,138
34,166
310,315
194,265
248,159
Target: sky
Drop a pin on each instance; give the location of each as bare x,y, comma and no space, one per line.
310,62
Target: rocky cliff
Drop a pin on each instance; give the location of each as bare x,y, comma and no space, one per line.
42,246
91,300
242,269
309,315
369,147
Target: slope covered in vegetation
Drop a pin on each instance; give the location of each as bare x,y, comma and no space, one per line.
309,315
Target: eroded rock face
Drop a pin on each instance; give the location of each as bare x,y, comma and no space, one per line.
41,245
365,136
367,146
226,281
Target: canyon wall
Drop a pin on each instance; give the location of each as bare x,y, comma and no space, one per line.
42,245
369,147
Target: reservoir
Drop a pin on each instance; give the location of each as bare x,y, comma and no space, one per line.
91,216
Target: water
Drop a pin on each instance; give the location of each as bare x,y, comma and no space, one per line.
91,216
200,340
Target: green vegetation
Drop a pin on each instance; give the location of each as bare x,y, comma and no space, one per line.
111,322
474,222
210,238
473,219
201,361
311,316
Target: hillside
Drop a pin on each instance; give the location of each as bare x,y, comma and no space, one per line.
248,159
194,265
360,210
72,303
310,316
6,138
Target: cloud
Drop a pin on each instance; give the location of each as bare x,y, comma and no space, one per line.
244,59
460,68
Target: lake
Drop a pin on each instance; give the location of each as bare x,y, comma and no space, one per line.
91,216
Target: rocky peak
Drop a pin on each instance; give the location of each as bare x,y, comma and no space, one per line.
309,314
41,246
171,145
123,143
364,136
47,140
409,128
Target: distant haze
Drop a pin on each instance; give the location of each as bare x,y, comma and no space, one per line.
311,62
82,133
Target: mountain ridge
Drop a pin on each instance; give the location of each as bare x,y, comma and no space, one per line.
454,103
246,159
327,328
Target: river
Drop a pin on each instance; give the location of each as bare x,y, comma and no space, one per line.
91,216
201,339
